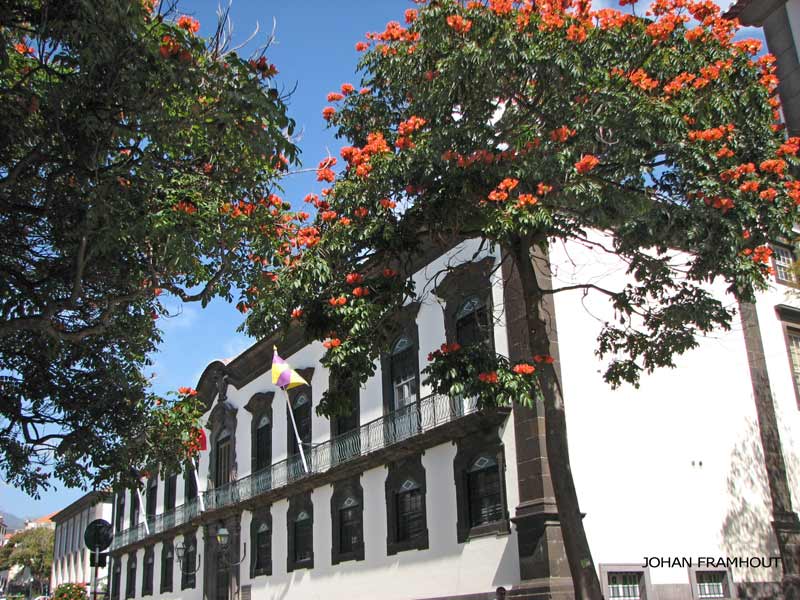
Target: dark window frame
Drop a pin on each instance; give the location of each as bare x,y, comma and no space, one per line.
789,318
148,571
260,407
133,515
189,483
345,492
119,515
470,449
787,282
167,572
223,455
261,517
130,576
170,492
404,325
468,280
298,505
305,435
188,576
401,472
116,577
151,498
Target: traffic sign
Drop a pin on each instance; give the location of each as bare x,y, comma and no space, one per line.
98,535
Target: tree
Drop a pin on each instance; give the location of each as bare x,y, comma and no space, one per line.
33,549
136,158
522,124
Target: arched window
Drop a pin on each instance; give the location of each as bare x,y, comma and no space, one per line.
410,516
147,572
167,558
484,491
301,408
407,527
262,547
263,443
404,372
222,470
303,537
300,530
130,577
472,322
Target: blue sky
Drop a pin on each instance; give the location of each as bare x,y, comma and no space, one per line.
314,50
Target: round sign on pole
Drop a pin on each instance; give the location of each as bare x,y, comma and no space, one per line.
98,535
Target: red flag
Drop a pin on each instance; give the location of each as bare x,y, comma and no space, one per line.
202,442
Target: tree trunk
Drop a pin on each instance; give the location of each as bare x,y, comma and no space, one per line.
584,575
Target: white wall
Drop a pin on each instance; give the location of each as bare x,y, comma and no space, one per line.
636,453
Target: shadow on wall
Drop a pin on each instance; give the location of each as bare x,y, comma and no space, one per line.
747,527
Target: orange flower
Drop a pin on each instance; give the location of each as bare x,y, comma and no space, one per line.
328,112
527,200
724,152
388,204
448,348
361,212
189,24
187,391
335,97
562,134
459,24
586,163
332,343
360,292
524,369
362,46
354,278
576,33
749,186
490,377
776,166
297,313
544,358
411,15
340,301
347,88
508,184
640,79
768,194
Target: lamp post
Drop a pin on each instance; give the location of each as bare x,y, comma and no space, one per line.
223,539
180,554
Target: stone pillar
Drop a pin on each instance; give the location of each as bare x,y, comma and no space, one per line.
543,565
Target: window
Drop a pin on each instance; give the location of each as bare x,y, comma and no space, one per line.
300,524
472,323
480,486
347,526
134,520
625,586
116,576
407,527
130,579
345,426
404,373
484,496
147,572
119,516
222,469
303,538
170,492
189,562
410,516
152,497
263,443
261,543
189,483
783,260
711,584
790,323
301,409
167,560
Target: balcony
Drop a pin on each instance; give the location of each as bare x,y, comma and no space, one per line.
430,421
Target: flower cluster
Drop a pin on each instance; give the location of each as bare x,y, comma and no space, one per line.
459,24
189,24
587,163
444,350
359,158
324,171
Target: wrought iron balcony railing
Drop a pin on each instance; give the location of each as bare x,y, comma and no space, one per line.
407,422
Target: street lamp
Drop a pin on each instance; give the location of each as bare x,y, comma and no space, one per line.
223,539
180,553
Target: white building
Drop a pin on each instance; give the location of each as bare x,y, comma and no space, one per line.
70,555
417,496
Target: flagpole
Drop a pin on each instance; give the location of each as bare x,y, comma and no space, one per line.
142,507
296,434
197,484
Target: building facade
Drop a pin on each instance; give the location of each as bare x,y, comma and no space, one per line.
70,555
415,495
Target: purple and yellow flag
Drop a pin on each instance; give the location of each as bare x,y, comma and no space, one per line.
283,375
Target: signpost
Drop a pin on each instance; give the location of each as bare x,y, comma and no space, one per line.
98,536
